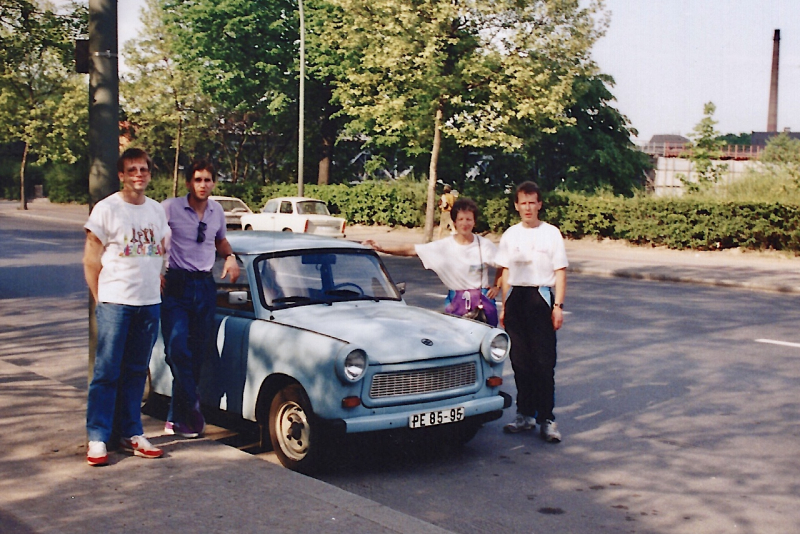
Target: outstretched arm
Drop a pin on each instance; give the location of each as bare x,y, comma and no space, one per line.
404,249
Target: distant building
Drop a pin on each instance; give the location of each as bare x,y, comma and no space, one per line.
760,139
665,145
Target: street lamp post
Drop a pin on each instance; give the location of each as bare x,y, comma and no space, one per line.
301,129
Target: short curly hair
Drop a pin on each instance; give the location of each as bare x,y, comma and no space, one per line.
464,204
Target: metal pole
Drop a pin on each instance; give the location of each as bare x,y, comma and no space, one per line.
103,118
301,129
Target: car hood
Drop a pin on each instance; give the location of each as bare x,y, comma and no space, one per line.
389,332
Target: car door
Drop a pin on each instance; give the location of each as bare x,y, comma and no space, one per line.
223,377
286,218
268,214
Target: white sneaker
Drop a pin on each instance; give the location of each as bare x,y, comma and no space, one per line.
96,453
520,423
140,446
549,432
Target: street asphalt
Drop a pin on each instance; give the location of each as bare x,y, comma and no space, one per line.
206,486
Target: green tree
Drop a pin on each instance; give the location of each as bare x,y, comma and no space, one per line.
594,150
161,99
38,91
243,55
706,149
781,157
482,73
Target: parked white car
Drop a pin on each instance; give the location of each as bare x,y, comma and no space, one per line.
234,208
295,214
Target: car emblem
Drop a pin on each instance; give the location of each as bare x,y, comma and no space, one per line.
428,342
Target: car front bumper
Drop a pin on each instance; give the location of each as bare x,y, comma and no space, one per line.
399,419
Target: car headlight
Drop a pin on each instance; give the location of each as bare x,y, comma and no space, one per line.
351,364
495,346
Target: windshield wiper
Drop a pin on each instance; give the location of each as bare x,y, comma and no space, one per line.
296,299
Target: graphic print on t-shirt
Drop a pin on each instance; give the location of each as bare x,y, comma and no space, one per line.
142,242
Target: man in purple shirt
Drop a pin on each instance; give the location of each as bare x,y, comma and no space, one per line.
197,227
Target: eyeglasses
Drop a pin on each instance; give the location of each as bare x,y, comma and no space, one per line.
201,232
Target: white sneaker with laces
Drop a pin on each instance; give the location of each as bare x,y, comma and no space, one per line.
140,446
549,432
96,453
520,423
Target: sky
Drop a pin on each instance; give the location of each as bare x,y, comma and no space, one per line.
669,57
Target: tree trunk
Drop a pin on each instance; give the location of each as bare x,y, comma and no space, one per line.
328,135
433,176
23,202
324,172
177,155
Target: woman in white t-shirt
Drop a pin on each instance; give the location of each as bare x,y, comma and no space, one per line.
461,261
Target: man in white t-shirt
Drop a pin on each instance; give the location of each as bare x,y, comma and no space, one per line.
122,262
534,264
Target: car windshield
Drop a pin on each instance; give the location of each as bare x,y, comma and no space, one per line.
322,276
308,207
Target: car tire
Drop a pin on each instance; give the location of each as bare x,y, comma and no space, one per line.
287,230
296,437
248,227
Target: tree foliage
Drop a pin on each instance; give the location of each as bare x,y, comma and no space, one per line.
594,150
482,73
705,150
42,103
161,99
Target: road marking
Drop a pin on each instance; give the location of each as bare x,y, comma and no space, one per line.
438,295
775,342
42,241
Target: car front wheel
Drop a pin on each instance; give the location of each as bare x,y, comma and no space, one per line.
295,438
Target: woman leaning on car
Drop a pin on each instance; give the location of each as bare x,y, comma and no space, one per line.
461,261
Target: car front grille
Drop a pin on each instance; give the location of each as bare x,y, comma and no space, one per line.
422,381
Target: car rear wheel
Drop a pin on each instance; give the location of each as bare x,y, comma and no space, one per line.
293,431
287,230
248,227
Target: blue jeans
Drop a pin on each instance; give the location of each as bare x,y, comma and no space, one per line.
187,326
125,338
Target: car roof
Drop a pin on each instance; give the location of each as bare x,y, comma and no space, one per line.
297,199
257,242
218,197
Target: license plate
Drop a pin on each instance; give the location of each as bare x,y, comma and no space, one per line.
437,417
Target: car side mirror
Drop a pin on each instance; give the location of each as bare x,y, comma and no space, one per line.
237,298
401,287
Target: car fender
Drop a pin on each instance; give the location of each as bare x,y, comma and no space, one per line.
271,349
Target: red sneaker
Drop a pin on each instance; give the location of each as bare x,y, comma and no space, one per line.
96,453
139,446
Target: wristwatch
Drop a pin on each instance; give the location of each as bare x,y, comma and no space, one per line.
559,305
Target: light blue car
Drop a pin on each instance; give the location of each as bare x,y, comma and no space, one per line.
315,341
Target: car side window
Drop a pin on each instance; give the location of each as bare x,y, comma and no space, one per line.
271,207
286,207
225,288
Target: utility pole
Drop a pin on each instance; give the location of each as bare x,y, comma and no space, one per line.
103,119
301,128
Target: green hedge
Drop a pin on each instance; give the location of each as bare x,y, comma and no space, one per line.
679,223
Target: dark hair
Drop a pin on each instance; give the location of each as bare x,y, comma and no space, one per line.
529,188
131,154
464,204
201,165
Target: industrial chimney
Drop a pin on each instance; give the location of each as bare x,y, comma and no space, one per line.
772,115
